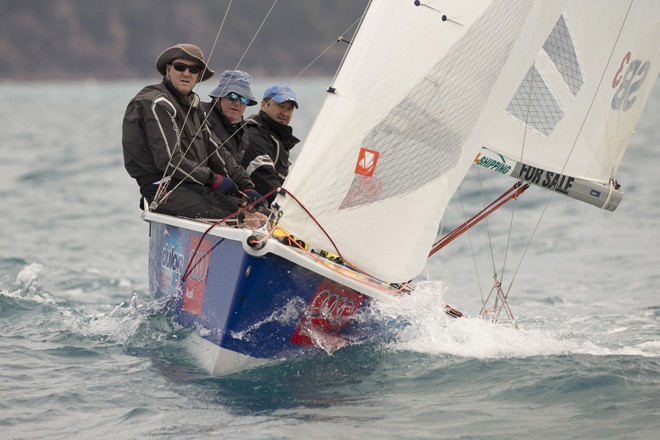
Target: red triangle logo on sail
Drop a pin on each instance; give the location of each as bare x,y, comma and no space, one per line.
366,164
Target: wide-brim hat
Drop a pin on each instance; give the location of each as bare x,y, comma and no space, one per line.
235,81
281,93
187,52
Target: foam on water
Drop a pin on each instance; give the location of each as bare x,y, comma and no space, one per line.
29,276
26,287
119,325
422,325
430,330
84,354
115,324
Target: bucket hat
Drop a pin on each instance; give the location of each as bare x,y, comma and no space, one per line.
235,81
186,51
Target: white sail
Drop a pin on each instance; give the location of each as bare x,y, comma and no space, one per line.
572,118
416,97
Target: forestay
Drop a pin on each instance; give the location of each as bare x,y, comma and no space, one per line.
577,107
415,99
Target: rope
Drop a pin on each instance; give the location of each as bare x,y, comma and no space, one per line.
216,223
190,267
403,288
285,191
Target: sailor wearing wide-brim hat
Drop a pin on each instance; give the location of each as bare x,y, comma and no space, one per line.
166,145
183,51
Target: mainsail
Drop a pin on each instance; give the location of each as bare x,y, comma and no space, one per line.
417,95
572,118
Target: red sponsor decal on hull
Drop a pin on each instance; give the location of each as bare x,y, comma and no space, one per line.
195,285
330,310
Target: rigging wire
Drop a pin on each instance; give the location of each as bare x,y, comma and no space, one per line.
577,136
499,295
343,59
161,193
498,283
512,193
340,38
490,241
474,254
156,200
522,154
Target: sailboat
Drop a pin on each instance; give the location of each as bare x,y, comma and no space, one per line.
548,92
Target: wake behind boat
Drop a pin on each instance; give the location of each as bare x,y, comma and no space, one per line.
423,87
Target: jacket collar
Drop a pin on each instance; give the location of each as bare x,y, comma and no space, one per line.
225,121
284,132
191,99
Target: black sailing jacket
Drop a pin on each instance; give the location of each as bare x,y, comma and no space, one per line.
266,159
234,137
153,120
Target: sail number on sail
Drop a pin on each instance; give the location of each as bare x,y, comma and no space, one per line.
635,70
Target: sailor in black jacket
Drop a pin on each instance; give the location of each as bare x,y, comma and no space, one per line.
225,111
266,158
166,146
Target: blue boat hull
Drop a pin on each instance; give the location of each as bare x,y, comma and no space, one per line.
260,306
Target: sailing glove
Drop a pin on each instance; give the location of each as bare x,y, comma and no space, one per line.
254,196
225,185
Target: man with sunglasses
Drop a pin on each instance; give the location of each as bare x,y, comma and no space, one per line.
229,100
224,118
166,144
266,159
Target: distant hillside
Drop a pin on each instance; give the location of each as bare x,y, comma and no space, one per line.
119,39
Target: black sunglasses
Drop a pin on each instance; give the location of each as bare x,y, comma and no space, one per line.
181,67
235,97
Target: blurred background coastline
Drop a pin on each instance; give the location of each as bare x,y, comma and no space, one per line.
71,40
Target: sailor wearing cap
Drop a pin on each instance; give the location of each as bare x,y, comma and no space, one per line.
271,138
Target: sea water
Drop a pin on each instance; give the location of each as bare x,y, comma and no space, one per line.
85,353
